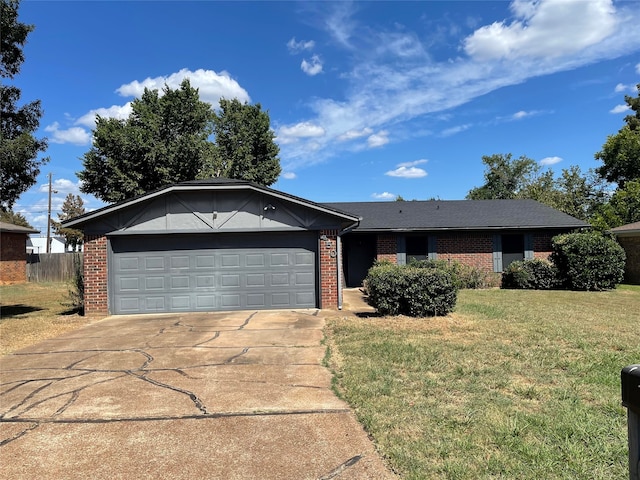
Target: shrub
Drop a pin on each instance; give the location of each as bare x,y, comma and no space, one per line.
533,274
464,276
588,261
75,295
410,290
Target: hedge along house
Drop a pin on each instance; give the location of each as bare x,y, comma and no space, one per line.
488,234
211,245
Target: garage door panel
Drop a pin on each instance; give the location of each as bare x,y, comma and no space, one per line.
237,276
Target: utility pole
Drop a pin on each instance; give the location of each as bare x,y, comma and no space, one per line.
49,218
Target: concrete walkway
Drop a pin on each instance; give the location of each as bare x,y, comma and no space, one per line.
201,396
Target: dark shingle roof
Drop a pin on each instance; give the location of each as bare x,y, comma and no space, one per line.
457,215
11,228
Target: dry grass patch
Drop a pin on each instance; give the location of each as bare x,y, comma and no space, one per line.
514,384
32,312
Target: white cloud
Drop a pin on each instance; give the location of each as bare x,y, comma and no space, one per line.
546,28
61,185
407,172
289,134
289,175
383,92
297,47
120,112
212,86
353,134
384,196
414,163
313,67
638,68
378,139
619,108
74,135
453,130
621,87
550,160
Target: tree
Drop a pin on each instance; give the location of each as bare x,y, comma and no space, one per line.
620,154
73,206
14,218
504,176
19,148
622,208
164,141
244,145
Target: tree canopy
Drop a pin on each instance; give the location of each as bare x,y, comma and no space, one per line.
244,144
505,177
73,206
572,192
14,218
19,148
164,141
620,154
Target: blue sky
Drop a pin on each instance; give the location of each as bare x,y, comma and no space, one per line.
368,100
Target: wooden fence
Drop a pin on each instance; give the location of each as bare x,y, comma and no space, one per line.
52,267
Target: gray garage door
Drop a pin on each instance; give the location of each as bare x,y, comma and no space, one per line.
185,273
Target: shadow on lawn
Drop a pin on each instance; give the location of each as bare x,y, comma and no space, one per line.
16,310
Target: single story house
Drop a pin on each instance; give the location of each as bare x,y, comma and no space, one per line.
37,245
13,256
223,244
629,238
487,234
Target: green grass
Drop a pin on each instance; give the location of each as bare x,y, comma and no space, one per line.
32,312
514,384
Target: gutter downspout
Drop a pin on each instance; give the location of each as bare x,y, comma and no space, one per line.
339,258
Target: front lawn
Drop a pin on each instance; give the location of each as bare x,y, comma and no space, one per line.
32,312
515,384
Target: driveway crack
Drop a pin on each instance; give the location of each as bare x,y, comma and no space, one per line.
18,435
194,398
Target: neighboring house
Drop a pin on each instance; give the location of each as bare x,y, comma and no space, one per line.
13,257
629,238
38,245
224,244
488,234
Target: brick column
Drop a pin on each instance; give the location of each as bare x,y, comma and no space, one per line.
328,269
387,248
95,275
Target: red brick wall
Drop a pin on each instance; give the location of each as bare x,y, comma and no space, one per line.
13,257
328,269
542,245
387,248
95,275
475,249
631,247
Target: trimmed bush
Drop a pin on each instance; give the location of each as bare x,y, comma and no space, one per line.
533,274
588,261
409,290
464,276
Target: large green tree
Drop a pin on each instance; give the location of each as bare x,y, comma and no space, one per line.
572,192
244,144
620,154
164,141
14,218
72,207
19,148
505,177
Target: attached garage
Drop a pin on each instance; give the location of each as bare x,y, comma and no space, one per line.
212,245
185,273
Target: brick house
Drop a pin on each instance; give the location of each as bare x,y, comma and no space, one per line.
488,234
13,252
629,238
223,244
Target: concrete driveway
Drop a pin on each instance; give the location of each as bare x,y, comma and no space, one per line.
215,395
